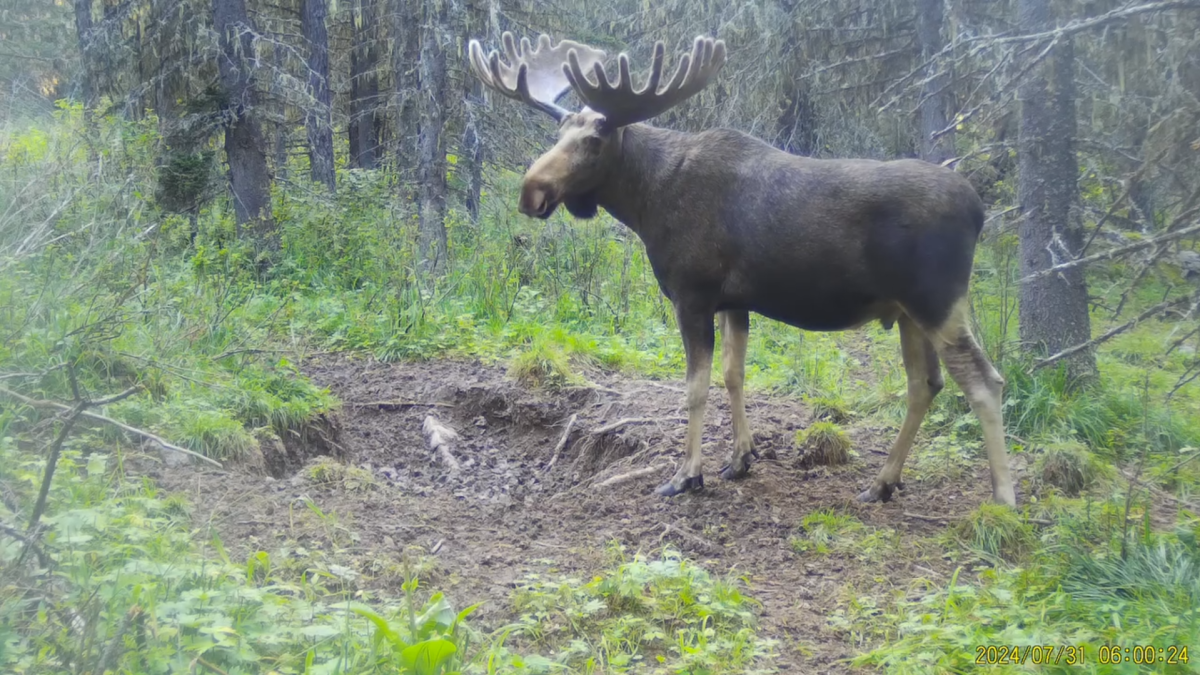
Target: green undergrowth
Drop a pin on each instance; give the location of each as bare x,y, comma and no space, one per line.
664,615
831,532
120,581
1085,583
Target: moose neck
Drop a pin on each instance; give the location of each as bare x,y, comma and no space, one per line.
645,156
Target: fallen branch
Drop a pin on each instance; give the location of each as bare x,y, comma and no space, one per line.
632,475
1113,253
35,403
633,420
394,405
440,437
562,442
929,519
1110,333
687,534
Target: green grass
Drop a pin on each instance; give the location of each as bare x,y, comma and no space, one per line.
1074,591
129,584
661,614
101,290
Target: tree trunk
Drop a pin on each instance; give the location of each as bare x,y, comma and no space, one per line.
431,158
406,55
83,31
936,101
282,128
1053,309
796,125
471,150
245,148
365,124
317,117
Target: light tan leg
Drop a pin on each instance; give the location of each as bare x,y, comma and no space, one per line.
698,339
924,382
735,330
984,387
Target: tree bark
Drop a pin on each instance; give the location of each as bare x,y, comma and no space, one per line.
282,129
936,101
1053,309
317,118
365,123
472,152
796,126
83,31
245,148
431,157
406,55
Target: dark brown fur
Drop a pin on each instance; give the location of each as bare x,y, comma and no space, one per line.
732,225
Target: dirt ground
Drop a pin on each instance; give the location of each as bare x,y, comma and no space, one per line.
507,511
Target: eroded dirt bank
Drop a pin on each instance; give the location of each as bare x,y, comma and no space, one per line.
509,510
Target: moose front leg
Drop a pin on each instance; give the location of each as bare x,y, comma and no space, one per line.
698,339
735,329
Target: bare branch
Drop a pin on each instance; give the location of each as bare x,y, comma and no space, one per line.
1114,253
1113,332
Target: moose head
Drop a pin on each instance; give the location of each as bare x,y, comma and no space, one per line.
540,75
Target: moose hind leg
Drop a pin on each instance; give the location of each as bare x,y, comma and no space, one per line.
735,330
983,387
924,382
698,339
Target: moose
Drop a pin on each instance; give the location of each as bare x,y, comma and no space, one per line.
732,225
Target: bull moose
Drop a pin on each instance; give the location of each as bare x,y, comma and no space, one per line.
732,225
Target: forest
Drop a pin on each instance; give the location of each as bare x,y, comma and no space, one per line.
289,382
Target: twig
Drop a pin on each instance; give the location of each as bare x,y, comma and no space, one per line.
1112,253
30,544
51,463
562,442
690,536
101,418
1110,333
928,519
632,420
632,475
391,405
206,664
113,651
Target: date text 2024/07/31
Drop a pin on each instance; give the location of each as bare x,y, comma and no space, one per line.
1076,655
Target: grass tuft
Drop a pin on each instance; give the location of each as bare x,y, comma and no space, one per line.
1069,467
829,409
542,364
823,444
997,531
329,471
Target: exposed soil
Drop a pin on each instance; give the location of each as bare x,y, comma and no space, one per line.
505,513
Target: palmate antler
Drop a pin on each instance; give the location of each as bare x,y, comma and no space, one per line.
540,76
621,105
533,75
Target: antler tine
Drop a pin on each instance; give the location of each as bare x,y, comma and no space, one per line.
529,73
621,105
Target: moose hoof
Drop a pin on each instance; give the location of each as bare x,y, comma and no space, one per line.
669,489
740,467
879,492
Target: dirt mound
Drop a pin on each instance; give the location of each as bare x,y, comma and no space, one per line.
553,477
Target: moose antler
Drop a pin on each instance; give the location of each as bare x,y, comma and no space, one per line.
618,101
533,75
